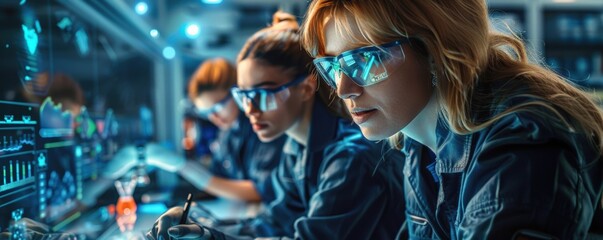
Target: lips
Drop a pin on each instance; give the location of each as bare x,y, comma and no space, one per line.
361,115
259,126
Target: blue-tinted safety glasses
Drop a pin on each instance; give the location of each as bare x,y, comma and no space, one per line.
365,66
217,107
264,99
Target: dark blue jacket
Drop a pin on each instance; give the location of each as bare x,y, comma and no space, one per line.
341,186
239,154
525,171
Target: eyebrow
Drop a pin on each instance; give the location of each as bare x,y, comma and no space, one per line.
263,84
345,49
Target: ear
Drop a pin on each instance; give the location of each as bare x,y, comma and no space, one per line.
308,87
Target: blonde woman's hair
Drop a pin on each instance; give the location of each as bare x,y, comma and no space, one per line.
279,45
212,74
456,36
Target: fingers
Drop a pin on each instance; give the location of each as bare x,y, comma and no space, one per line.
168,219
148,236
188,231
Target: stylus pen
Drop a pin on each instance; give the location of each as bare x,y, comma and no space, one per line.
187,206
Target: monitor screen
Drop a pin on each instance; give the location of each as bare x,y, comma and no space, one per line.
63,85
21,165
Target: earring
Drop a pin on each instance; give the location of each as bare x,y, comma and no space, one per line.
434,79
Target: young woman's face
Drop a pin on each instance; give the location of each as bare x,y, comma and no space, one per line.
223,116
268,125
383,109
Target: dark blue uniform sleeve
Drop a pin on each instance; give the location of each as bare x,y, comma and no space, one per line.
225,160
348,202
264,159
281,213
345,206
529,175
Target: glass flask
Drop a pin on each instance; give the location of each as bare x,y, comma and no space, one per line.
126,206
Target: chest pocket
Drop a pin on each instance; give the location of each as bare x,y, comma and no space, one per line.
419,227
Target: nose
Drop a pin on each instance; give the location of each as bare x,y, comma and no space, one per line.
250,108
347,89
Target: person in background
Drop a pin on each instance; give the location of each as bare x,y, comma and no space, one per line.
61,89
241,164
496,147
332,183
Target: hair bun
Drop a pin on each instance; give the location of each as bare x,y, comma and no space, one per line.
283,20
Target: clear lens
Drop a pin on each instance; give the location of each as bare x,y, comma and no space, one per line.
219,106
259,98
264,99
365,66
327,67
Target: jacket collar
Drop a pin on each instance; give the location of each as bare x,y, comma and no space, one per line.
453,150
323,128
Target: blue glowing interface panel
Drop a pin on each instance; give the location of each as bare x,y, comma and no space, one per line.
22,166
40,162
49,148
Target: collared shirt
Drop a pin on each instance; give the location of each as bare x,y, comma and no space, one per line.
525,171
339,186
239,154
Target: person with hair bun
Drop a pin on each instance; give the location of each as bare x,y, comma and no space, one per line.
497,147
331,183
241,164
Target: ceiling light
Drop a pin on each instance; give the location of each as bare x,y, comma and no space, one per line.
141,8
154,33
212,1
169,52
192,31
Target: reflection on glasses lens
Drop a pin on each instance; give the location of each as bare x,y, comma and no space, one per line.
264,99
365,66
219,106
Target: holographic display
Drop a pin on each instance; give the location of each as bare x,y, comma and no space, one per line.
33,53
19,171
50,151
56,131
56,122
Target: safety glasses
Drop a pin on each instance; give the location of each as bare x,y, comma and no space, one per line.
365,66
264,99
219,106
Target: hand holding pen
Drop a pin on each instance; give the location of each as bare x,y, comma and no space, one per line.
187,207
172,224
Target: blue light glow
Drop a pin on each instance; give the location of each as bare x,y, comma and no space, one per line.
78,151
169,52
212,1
141,8
81,38
31,39
154,33
64,23
192,31
153,208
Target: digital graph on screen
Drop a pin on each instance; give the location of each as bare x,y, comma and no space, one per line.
20,165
